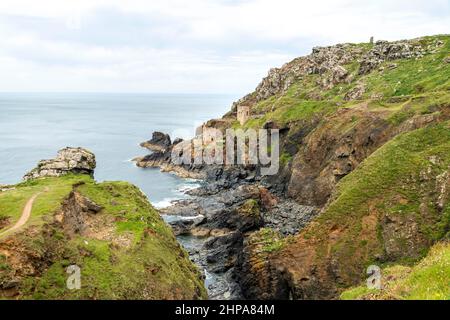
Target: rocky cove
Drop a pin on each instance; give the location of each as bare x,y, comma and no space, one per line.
215,222
364,179
310,230
215,243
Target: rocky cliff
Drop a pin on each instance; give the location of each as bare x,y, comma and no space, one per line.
364,152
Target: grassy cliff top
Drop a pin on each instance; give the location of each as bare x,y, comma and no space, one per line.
315,94
125,251
427,280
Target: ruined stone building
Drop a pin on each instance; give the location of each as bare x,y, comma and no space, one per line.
243,114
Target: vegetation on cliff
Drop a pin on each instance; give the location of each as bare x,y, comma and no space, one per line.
427,280
312,94
392,208
365,138
122,246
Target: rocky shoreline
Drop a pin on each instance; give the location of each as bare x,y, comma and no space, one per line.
215,224
349,112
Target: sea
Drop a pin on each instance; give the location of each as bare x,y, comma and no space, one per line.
34,126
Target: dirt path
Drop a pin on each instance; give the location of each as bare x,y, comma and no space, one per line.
26,213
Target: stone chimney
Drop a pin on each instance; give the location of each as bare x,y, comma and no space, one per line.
243,114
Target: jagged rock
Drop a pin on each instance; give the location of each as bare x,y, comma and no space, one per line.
76,212
68,160
268,200
387,51
185,225
159,142
442,188
337,74
161,157
330,153
355,93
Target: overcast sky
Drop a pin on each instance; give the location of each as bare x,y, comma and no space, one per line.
180,46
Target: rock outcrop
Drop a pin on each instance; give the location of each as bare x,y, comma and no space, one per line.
68,160
160,142
388,51
329,62
323,60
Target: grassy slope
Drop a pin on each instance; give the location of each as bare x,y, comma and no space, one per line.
428,280
12,202
154,267
387,183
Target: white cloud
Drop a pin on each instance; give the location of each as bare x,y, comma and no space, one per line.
186,46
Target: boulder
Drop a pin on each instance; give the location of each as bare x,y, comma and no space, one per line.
68,160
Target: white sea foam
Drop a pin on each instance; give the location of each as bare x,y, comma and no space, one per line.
187,187
164,203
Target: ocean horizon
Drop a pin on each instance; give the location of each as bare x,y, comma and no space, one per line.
34,126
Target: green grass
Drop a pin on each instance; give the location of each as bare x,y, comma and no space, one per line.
428,280
413,76
285,158
357,292
374,189
156,269
152,266
133,216
290,107
305,99
52,192
269,240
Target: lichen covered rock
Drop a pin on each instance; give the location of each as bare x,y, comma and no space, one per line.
68,160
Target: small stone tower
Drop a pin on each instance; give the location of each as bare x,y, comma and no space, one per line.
243,114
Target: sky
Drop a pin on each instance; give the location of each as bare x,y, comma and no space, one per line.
179,46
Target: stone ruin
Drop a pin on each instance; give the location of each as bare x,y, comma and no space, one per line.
243,114
207,134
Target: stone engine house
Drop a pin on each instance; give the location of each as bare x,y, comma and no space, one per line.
243,114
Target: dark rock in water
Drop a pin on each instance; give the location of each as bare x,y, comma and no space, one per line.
159,142
68,160
183,226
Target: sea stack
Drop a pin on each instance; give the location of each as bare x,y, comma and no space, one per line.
68,160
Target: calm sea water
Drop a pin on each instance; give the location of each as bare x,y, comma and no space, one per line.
36,126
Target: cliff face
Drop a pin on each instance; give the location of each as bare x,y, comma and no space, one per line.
364,137
387,210
122,247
